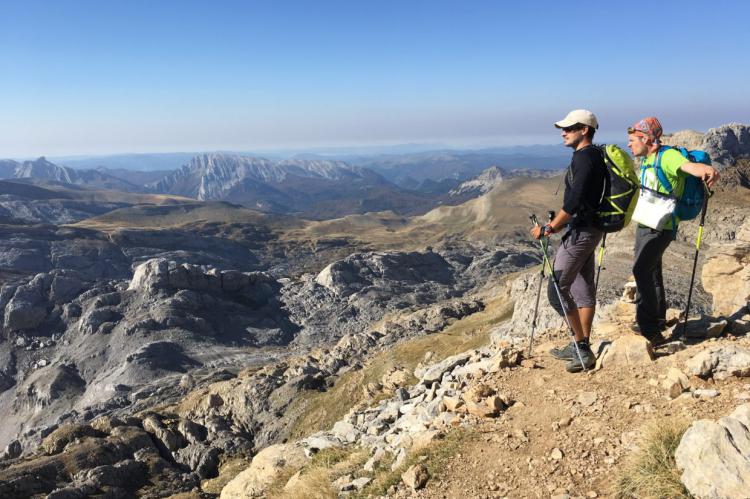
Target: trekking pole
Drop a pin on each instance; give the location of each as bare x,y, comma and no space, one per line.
532,217
544,243
698,241
601,257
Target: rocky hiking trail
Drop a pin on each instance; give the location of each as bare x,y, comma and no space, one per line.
490,423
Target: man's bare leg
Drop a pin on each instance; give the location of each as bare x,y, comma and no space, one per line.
586,316
575,323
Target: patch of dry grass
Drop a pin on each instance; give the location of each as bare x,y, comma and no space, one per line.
227,471
320,410
651,472
315,479
434,456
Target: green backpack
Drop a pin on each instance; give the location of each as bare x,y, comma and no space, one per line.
620,190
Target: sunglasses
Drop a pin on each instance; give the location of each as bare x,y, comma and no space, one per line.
644,133
572,128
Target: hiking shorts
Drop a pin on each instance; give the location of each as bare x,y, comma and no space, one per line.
574,268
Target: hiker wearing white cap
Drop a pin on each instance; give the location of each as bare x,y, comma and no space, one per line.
574,259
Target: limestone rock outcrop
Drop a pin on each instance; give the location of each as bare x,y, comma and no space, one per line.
714,456
725,144
628,350
264,468
720,363
726,275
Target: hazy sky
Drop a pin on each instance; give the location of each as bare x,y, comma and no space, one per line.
89,77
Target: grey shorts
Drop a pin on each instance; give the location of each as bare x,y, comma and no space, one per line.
574,268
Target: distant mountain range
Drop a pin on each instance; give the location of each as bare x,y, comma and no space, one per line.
41,169
315,188
321,187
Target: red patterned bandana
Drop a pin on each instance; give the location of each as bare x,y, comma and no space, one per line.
648,126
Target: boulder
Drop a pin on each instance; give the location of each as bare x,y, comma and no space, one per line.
65,286
433,373
201,459
263,470
193,432
56,441
727,143
416,477
628,350
396,378
675,383
12,450
523,292
152,274
48,384
124,474
169,439
487,408
714,456
726,277
720,362
482,402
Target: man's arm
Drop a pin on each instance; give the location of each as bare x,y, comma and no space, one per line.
708,173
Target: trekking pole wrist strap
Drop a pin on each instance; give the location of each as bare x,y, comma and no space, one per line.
547,230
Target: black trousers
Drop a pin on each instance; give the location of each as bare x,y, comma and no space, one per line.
651,302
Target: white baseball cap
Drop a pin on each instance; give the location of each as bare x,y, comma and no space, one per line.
582,116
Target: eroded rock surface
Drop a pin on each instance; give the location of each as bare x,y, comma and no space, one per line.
714,456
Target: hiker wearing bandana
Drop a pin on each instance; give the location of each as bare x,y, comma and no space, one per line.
644,141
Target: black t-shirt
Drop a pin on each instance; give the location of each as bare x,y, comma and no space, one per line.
584,185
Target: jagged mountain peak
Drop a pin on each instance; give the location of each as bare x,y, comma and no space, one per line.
482,183
41,168
212,176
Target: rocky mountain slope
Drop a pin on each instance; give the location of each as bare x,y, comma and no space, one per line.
50,202
573,444
210,350
725,144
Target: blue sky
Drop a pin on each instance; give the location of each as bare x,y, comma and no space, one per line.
85,77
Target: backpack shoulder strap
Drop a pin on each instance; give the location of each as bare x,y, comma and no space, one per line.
663,180
605,160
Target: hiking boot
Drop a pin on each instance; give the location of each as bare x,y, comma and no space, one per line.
567,352
655,338
637,328
589,359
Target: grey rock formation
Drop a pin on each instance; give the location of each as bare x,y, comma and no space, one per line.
725,144
720,362
481,184
714,456
728,143
288,186
81,345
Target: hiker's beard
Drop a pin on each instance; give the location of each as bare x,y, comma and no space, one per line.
573,142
